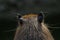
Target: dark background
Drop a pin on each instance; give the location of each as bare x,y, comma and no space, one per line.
10,8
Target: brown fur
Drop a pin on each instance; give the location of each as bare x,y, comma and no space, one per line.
39,30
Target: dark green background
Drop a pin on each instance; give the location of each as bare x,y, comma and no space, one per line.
10,8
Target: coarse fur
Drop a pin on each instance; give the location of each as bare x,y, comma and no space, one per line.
31,29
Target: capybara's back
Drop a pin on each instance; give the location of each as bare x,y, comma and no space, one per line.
31,27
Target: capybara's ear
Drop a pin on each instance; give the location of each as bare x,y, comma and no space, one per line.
19,16
40,17
19,19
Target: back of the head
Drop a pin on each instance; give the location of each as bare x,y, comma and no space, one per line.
31,27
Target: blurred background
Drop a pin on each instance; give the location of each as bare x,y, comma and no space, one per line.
10,8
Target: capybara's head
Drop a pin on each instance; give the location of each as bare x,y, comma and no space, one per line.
31,27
